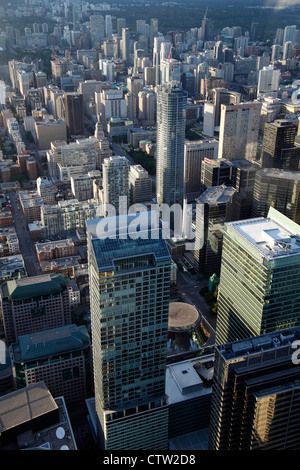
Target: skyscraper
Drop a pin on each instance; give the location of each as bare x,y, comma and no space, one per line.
278,148
126,46
268,82
279,189
171,119
259,288
239,127
115,171
74,113
129,292
255,396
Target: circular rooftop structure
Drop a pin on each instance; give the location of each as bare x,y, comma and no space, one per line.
183,317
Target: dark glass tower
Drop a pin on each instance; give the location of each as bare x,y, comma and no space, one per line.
256,394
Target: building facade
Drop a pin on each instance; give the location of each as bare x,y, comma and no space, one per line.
255,395
129,341
260,263
171,119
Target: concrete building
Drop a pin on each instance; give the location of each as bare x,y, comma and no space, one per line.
82,188
195,152
31,203
268,82
27,426
12,267
46,190
67,216
140,185
34,304
239,128
48,131
115,171
60,357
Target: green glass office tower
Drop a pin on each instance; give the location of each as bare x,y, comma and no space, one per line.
260,277
129,296
256,394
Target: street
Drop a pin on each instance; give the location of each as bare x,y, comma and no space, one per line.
26,245
189,289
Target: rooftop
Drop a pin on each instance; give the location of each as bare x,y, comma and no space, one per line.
217,195
261,344
271,237
50,342
33,286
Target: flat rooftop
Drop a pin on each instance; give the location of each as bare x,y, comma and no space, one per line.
24,405
217,195
270,237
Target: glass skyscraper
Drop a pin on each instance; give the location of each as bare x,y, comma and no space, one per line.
259,288
256,394
171,120
129,296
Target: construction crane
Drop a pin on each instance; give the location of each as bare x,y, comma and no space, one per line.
169,56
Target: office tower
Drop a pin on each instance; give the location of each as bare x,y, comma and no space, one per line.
206,30
287,50
121,23
146,106
195,152
74,113
289,33
48,130
212,108
243,180
260,264
126,46
110,103
239,127
279,37
278,147
97,26
253,32
215,172
60,357
217,207
171,120
268,82
140,185
255,396
115,171
170,71
153,30
108,26
34,304
132,272
276,52
279,189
